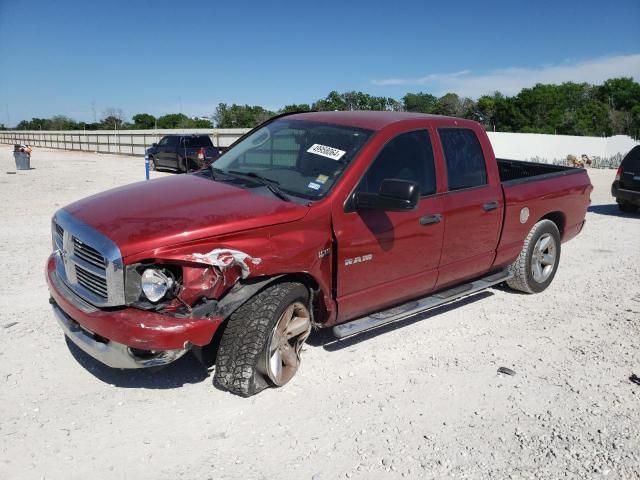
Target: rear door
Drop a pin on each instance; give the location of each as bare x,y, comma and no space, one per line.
472,210
385,258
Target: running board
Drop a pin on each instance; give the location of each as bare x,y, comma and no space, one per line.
417,306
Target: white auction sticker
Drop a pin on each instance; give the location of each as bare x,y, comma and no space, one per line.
329,152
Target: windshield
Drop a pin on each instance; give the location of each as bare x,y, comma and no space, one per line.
303,158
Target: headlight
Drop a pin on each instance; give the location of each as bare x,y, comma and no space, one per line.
155,284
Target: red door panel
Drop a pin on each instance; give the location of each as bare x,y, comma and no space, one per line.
470,233
385,258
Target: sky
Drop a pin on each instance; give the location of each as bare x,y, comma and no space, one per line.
79,58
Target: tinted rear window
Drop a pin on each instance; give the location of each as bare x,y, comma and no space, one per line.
632,160
464,158
197,142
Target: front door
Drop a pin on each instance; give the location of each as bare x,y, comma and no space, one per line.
385,258
168,152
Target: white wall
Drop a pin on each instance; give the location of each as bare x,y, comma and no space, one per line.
516,146
524,146
125,142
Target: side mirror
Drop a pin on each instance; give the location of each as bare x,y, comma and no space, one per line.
394,196
154,144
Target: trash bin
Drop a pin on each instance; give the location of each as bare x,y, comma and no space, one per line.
23,160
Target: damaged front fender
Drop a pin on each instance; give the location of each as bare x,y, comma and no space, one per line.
225,258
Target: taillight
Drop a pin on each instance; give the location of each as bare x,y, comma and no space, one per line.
201,154
619,173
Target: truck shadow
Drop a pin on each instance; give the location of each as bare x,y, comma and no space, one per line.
612,210
324,337
186,370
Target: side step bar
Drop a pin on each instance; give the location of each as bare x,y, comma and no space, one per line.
417,306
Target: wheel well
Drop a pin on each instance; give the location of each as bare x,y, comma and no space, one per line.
304,278
559,219
209,352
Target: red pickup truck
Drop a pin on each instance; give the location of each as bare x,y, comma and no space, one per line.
347,220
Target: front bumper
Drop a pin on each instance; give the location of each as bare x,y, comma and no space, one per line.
125,337
112,354
630,196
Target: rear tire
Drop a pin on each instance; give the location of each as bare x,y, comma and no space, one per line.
261,344
535,267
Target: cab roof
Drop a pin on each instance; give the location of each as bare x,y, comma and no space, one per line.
371,120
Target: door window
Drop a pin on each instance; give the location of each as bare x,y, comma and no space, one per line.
464,158
408,156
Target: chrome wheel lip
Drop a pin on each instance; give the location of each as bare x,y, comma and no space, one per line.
543,258
282,356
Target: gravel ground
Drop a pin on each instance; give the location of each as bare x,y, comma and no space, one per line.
418,400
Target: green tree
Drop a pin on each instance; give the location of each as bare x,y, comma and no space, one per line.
143,121
620,93
393,105
449,104
355,100
240,116
592,119
173,120
333,101
302,107
487,106
201,123
62,122
419,102
112,118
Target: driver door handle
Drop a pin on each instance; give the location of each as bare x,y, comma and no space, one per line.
429,219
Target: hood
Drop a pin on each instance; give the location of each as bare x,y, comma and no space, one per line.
178,209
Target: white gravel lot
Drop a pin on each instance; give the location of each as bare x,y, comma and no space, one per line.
419,400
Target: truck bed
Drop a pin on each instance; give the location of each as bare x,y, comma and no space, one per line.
517,171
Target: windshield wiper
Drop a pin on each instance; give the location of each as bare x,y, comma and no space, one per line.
271,184
217,171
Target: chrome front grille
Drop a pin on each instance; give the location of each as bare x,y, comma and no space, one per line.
93,282
58,236
88,253
89,263
59,231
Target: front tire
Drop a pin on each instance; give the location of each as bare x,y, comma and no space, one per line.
263,339
536,266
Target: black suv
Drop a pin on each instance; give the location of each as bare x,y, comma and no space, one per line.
626,186
182,153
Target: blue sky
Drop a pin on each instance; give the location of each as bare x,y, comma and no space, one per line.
158,57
